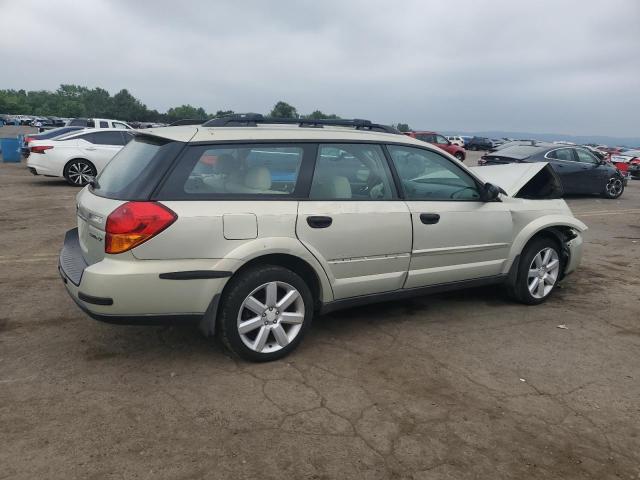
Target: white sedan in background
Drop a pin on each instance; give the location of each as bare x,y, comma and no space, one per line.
79,156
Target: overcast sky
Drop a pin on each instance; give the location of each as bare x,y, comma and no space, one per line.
539,66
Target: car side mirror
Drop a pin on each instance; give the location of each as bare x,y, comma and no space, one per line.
490,192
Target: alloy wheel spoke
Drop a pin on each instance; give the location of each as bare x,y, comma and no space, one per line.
538,260
291,317
271,294
290,297
552,265
261,339
255,305
534,285
533,272
546,257
250,325
280,335
541,288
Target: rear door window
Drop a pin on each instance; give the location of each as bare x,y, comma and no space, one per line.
108,138
426,138
237,171
564,154
88,137
351,172
134,172
104,124
585,157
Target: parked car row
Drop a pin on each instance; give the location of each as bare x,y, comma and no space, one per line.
33,121
46,123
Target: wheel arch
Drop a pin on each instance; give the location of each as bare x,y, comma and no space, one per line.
78,158
68,162
291,262
559,228
311,272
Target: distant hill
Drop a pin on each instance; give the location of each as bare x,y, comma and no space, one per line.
550,137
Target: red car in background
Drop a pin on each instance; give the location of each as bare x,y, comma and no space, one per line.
628,162
440,141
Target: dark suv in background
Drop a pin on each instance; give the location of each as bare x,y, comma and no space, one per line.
480,143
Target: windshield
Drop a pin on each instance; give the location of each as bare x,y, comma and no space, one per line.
134,171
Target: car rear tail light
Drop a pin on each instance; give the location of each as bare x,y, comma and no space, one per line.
27,139
40,148
134,223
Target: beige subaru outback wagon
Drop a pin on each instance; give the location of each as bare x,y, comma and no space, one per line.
250,226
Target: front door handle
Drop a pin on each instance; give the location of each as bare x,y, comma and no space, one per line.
429,218
319,222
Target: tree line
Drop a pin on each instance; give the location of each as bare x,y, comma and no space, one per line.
71,101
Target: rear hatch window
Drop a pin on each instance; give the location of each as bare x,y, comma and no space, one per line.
134,171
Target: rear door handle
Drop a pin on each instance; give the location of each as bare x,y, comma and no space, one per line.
429,218
319,222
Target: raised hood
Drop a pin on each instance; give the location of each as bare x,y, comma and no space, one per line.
535,180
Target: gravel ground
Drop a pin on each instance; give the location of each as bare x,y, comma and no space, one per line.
464,385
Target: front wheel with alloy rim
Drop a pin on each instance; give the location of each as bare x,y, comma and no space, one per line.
265,312
79,172
538,271
614,187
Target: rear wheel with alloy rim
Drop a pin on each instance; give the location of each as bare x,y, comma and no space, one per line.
265,313
79,172
538,271
614,187
459,156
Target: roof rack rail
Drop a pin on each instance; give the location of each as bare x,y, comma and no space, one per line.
253,119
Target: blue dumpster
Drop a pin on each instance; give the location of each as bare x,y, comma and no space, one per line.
10,150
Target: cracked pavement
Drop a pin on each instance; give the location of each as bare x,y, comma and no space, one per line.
464,385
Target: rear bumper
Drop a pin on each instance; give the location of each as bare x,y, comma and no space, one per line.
40,167
124,290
